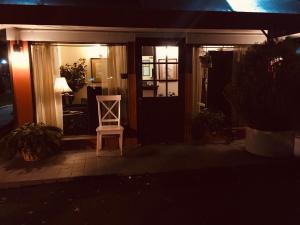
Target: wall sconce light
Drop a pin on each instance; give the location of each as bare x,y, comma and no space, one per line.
18,56
18,46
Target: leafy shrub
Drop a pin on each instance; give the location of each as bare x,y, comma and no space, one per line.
207,121
269,84
75,74
39,140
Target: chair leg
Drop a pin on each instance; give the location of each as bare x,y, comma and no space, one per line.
121,143
99,143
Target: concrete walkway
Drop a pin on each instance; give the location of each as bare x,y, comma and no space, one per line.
147,159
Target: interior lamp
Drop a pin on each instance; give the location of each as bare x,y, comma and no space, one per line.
61,86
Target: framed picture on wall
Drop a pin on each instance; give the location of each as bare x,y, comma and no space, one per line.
98,69
171,66
146,68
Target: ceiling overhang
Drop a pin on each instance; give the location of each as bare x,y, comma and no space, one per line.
145,18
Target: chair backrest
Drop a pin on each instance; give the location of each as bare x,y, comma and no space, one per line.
109,110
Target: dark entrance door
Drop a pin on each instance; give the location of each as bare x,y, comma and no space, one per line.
219,75
160,91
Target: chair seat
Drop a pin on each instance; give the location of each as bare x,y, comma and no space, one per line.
110,128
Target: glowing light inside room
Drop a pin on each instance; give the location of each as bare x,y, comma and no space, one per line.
169,51
95,51
102,51
246,5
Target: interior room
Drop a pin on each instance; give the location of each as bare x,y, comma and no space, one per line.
88,70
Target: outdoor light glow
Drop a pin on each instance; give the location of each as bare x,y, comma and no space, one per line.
3,61
246,5
19,59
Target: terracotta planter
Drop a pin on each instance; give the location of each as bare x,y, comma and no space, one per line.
28,157
270,144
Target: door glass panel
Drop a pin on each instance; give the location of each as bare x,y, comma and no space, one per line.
159,69
172,52
172,71
147,71
147,59
173,88
161,88
163,52
149,88
147,51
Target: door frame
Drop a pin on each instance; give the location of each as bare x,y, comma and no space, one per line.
180,42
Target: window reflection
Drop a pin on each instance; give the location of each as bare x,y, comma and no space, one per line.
6,91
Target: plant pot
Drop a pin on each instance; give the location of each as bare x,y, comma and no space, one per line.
28,157
270,143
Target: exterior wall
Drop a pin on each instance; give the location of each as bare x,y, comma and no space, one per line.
188,93
227,38
132,92
20,68
71,36
79,34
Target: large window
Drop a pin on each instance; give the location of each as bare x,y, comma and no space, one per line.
160,71
89,70
6,91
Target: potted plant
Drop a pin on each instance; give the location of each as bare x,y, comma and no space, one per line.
206,125
75,74
268,87
32,140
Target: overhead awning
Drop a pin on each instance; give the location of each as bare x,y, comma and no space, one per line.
281,17
262,6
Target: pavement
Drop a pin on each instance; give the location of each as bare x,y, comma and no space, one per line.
155,184
241,195
149,159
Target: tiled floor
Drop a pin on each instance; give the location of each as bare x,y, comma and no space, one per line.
147,159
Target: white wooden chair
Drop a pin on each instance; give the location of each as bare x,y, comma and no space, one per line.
109,119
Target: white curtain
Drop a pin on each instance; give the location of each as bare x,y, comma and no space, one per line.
197,75
45,70
116,65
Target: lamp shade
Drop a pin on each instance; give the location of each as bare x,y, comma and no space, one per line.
61,85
